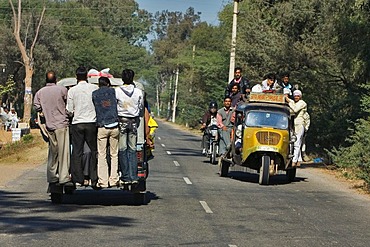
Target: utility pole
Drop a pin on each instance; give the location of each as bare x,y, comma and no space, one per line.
157,98
233,40
169,100
192,71
175,96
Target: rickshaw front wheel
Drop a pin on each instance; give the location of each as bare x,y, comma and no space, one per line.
264,170
224,167
291,173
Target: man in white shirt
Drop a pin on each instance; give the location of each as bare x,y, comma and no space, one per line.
130,103
83,128
270,84
299,107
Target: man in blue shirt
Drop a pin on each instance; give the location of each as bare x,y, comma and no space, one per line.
105,103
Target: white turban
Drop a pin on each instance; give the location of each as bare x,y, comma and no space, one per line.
297,93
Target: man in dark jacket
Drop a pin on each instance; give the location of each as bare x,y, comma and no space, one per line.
105,103
244,84
286,85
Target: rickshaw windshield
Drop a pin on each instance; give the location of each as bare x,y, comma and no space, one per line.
275,120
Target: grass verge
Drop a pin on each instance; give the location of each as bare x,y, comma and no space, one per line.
30,149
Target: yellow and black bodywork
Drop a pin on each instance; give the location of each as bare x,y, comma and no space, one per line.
263,138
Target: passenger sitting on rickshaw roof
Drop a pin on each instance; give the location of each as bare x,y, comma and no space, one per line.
235,95
285,84
270,84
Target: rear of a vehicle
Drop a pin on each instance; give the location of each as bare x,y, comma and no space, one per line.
57,191
142,160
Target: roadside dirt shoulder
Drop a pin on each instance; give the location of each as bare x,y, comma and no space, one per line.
16,164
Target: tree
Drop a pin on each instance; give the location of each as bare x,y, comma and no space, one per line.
122,18
26,53
7,88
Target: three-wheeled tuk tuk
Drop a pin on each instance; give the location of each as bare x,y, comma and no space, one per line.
262,138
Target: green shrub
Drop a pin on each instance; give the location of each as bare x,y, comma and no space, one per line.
16,147
355,158
27,138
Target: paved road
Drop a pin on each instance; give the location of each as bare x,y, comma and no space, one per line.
188,204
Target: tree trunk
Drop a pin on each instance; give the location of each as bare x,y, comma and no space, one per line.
27,56
27,93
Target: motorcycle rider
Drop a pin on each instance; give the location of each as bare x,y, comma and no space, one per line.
211,117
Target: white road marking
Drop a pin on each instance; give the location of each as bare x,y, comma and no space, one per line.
232,245
158,137
206,208
176,163
168,152
187,180
163,145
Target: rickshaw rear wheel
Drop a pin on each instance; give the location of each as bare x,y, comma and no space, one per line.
139,198
264,170
69,190
224,168
56,198
291,173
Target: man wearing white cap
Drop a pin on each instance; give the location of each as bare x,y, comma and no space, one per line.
299,107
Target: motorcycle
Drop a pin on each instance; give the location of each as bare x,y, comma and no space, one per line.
213,144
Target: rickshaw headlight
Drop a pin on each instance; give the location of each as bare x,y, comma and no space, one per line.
238,131
293,138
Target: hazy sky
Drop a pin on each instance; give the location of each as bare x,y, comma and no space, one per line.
209,8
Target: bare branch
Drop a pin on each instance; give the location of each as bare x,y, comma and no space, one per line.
37,31
20,62
19,15
27,29
14,16
16,31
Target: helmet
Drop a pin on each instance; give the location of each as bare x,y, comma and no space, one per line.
213,104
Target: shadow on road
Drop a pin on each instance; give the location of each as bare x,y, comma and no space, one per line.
20,213
278,179
109,197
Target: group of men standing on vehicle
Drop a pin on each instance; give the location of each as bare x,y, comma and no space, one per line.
92,115
238,90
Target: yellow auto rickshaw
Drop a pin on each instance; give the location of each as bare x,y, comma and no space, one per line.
262,138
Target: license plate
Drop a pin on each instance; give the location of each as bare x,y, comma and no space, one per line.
267,148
